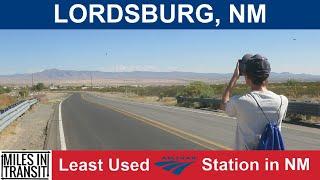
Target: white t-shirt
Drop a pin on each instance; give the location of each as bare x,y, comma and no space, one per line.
250,119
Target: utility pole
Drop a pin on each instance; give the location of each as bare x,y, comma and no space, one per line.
32,80
137,88
126,87
91,81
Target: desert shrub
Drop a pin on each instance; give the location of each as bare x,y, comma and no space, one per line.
24,92
38,87
198,89
4,90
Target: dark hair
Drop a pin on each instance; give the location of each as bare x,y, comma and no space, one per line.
258,80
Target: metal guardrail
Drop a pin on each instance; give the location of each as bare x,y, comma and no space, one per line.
10,114
11,106
312,109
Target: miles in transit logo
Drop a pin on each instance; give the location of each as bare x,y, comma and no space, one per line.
26,165
176,165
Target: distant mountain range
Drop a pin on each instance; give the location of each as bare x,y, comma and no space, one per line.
65,77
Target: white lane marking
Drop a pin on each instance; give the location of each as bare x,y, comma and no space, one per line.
62,138
168,107
195,111
220,115
216,114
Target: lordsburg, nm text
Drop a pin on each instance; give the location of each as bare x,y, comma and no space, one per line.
150,13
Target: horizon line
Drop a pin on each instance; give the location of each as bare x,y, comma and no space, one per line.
30,73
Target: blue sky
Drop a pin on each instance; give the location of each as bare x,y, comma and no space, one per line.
26,51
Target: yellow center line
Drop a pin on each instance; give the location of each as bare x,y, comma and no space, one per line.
208,144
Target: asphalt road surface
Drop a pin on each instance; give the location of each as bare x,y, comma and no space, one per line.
93,122
91,126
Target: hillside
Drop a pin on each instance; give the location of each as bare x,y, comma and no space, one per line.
57,76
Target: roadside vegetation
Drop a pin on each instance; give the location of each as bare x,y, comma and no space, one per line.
294,90
38,87
5,100
4,90
10,96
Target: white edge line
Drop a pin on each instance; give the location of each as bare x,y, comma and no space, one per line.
63,146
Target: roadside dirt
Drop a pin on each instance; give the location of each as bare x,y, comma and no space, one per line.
29,131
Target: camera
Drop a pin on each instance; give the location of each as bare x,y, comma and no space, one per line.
243,62
242,67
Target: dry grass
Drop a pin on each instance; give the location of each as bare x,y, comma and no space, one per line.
54,97
169,101
315,119
42,98
6,100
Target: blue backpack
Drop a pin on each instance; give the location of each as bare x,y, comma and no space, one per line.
271,138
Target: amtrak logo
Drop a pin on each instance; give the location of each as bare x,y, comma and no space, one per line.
176,165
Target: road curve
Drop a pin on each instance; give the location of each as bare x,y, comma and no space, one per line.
94,122
91,126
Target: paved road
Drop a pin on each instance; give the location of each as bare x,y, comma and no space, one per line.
93,122
91,126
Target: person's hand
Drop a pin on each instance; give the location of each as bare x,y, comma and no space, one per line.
236,73
227,93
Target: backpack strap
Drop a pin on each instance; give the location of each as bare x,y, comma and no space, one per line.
260,107
279,110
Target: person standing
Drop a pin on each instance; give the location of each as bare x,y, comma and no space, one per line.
255,109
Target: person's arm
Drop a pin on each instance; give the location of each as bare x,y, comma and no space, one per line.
228,91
